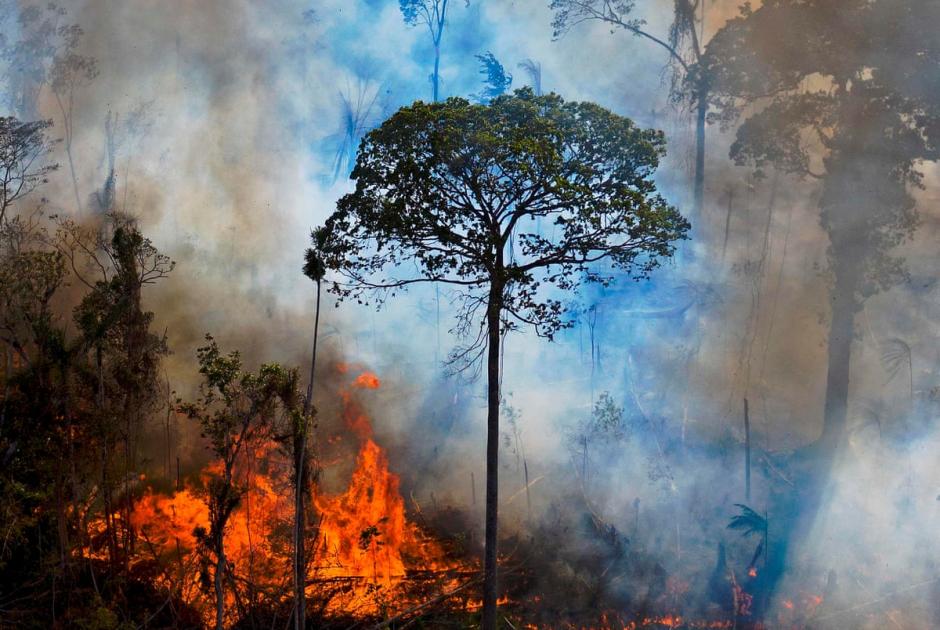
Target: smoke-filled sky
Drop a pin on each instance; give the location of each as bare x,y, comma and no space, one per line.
230,119
231,115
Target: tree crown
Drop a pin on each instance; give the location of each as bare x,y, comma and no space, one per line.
528,194
846,95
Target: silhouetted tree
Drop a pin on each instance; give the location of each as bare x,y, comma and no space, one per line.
860,134
452,191
45,55
69,72
115,262
43,38
233,410
683,46
300,430
433,15
495,79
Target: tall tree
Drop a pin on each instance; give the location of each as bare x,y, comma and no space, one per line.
118,342
848,96
682,44
860,132
300,425
42,38
69,72
44,54
455,189
433,15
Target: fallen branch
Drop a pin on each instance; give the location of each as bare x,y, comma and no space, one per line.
430,602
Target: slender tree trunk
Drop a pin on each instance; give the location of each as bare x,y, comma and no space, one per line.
301,475
7,376
435,78
67,123
747,453
219,581
797,512
701,111
300,483
492,458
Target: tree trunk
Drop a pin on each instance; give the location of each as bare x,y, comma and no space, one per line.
435,78
492,458
747,454
219,581
796,513
699,187
841,333
300,486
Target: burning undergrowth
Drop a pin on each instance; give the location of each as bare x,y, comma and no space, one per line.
370,560
636,529
379,558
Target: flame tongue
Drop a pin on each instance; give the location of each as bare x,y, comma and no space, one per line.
363,530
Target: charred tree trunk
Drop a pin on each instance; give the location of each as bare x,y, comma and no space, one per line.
219,580
492,457
747,453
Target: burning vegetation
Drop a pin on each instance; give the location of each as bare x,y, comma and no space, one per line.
734,426
367,559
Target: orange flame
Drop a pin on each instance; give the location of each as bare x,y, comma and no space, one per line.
363,534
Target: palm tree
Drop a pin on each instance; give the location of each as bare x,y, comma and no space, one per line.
749,522
895,353
315,270
356,107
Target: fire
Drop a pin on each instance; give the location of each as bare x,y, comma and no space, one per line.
477,604
367,380
364,532
364,541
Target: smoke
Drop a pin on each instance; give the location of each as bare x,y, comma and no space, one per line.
231,112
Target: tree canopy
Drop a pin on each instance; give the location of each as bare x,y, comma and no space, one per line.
846,95
531,191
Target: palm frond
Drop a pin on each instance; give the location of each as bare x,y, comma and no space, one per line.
894,353
534,70
356,112
495,78
748,521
